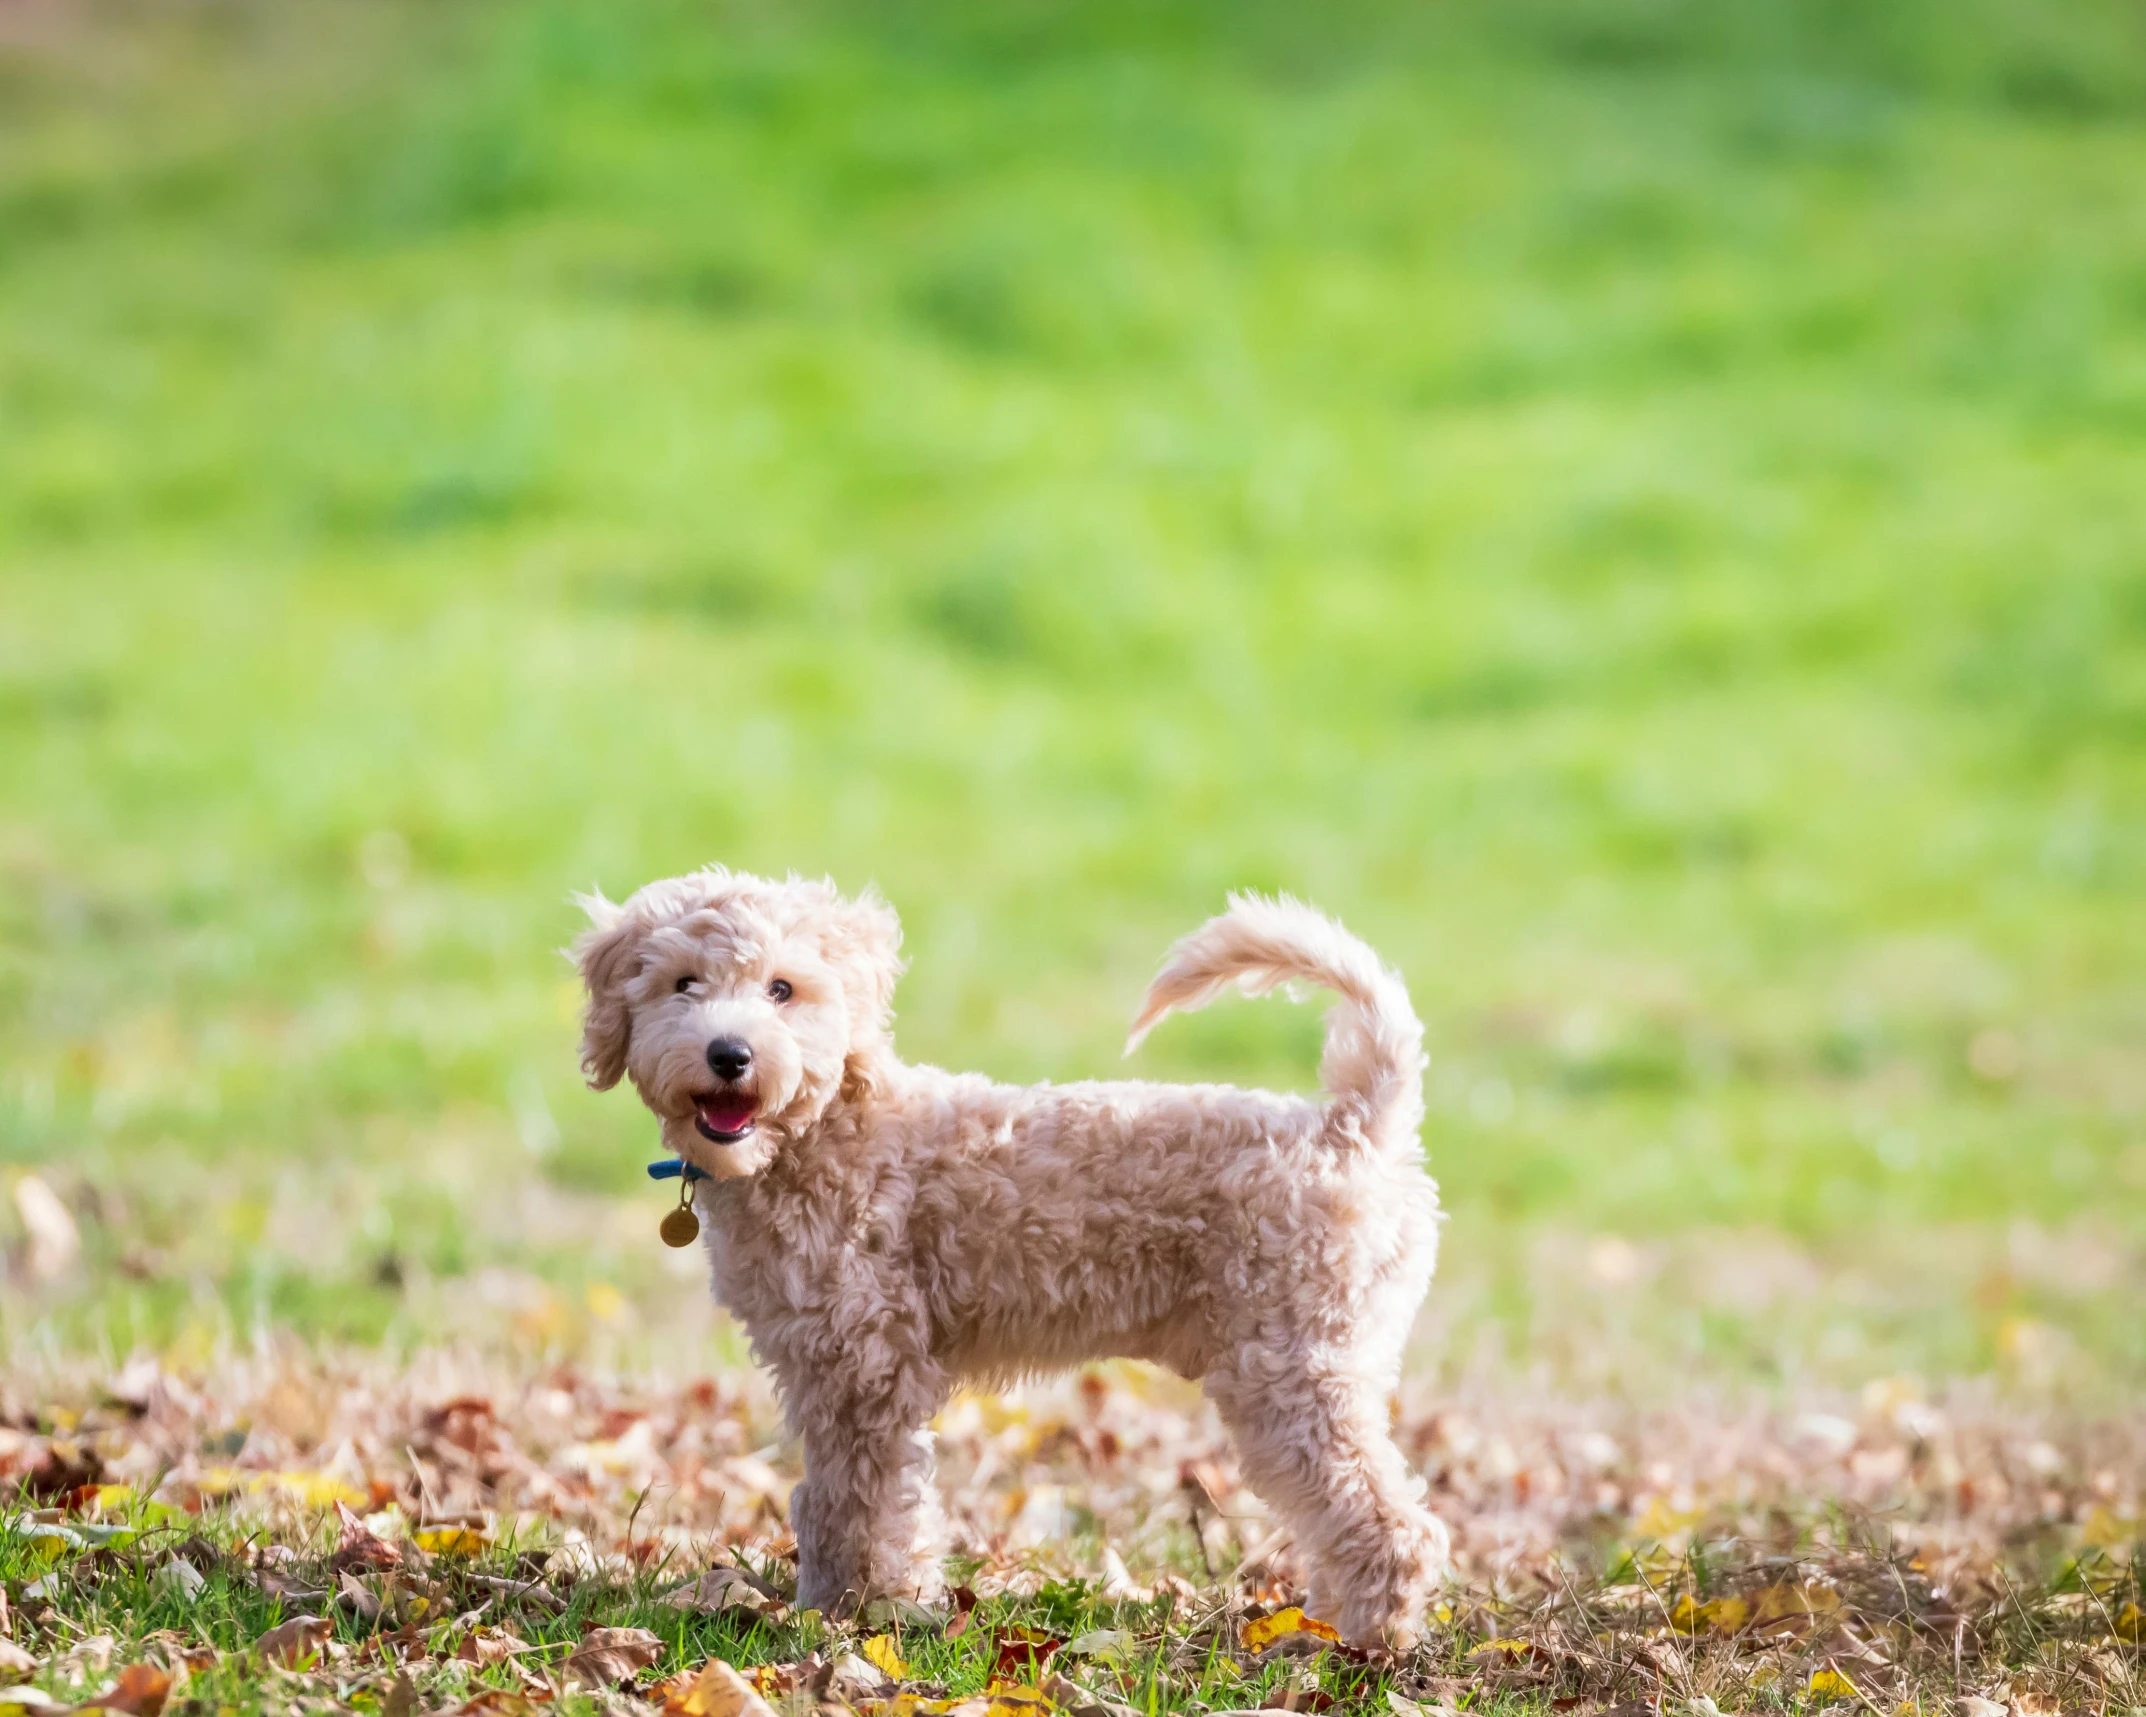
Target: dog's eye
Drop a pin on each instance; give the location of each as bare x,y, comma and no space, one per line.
686,983
780,991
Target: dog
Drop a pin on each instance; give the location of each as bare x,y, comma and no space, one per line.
885,1232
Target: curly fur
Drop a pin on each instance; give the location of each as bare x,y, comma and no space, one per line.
887,1231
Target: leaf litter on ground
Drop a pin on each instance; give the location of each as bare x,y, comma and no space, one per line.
455,1535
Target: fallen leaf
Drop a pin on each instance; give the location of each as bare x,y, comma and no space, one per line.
890,1613
721,1589
401,1700
718,1690
140,1691
1792,1602
1512,1650
486,1646
1071,1697
277,1581
1722,1615
854,1680
295,1642
610,1657
181,1578
1024,1651
451,1540
360,1546
1018,1699
882,1651
90,1656
55,1240
15,1663
1830,1684
1108,1646
1258,1635
495,1702
359,1597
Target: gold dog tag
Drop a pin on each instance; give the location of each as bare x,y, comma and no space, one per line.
680,1227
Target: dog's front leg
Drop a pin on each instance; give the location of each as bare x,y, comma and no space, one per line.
867,1517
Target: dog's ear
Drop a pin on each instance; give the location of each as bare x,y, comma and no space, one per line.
869,948
605,952
863,940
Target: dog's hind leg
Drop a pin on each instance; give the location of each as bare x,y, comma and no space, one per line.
1314,1445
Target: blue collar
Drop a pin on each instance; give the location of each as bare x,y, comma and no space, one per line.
672,1169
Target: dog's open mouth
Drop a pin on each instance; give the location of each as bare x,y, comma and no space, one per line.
724,1116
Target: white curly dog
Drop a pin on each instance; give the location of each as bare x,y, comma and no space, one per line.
886,1231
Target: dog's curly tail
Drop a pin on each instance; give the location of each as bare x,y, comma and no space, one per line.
1373,1064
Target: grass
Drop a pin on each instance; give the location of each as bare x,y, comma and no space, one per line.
1633,505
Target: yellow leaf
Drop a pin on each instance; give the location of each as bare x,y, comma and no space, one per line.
881,1651
1722,1615
450,1540
1779,1603
912,1705
2106,1530
717,1690
2131,1621
1017,1701
315,1490
1508,1648
1661,1521
1260,1634
1831,1684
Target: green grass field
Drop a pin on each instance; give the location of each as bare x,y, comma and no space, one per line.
1636,506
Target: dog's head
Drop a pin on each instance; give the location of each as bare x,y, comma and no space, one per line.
740,1008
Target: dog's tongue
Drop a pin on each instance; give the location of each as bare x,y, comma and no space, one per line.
726,1113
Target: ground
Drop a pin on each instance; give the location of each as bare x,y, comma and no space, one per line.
1632,504
467,1527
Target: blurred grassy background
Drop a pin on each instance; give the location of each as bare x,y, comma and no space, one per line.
1634,504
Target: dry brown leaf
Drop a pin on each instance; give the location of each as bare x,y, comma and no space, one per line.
1078,1701
854,1680
495,1702
296,1641
611,1657
17,1664
360,1546
721,1589
1024,1652
485,1646
140,1691
91,1656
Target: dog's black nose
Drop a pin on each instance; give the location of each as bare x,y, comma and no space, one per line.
729,1057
